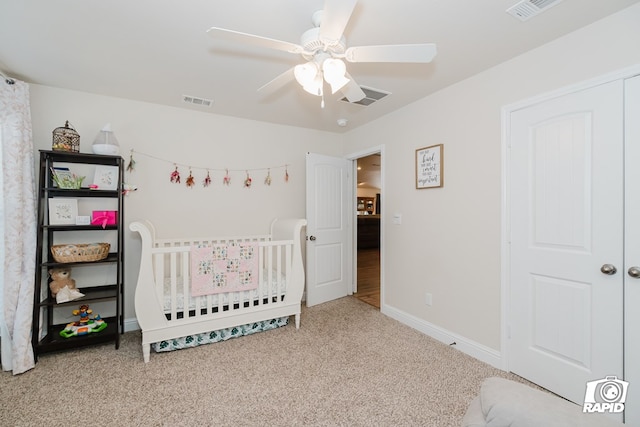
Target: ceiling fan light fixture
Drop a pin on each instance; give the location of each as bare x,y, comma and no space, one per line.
306,73
314,87
334,73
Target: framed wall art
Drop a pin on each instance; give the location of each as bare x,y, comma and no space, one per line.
60,174
62,211
106,177
430,167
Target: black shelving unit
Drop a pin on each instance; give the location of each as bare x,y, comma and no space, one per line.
45,304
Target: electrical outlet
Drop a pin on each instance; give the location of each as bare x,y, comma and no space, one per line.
428,299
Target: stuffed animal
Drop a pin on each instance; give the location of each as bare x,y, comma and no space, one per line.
61,277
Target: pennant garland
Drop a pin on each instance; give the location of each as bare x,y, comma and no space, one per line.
190,180
132,163
131,166
174,177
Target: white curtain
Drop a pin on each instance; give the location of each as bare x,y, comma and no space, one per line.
17,227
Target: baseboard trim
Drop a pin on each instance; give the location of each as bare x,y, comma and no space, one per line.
131,325
472,348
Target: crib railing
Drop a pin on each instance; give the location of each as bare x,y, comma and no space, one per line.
172,277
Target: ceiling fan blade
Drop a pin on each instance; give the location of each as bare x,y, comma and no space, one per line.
237,36
352,90
277,83
392,53
335,16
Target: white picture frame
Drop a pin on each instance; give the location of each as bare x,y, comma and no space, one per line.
63,211
430,167
106,177
83,220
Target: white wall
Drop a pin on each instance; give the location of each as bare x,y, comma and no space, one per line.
449,241
189,138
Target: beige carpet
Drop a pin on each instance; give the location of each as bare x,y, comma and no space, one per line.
348,365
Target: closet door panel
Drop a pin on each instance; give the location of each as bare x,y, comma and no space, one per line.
632,250
566,218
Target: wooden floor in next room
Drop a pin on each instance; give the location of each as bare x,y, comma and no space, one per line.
369,276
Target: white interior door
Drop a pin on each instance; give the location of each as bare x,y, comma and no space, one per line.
566,220
329,228
632,251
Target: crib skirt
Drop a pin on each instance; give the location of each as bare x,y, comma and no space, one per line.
219,335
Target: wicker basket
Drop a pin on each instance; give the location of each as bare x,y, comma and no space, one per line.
80,252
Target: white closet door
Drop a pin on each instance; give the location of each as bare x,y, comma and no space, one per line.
566,219
632,251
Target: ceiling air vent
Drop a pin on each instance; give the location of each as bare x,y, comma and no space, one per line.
197,101
372,95
527,9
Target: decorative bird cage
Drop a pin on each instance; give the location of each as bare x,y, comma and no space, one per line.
66,139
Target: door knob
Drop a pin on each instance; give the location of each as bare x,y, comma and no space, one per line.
312,238
634,272
609,269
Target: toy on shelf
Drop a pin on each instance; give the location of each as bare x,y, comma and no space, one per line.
85,325
62,286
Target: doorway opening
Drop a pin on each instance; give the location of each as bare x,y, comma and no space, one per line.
368,210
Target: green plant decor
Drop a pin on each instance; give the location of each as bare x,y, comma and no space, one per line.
67,181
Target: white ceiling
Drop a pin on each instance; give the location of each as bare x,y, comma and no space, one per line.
158,50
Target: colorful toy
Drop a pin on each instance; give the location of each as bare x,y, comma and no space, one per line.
85,325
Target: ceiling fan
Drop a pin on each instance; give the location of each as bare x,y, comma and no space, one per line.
324,48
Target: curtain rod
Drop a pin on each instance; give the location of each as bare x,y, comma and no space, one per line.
7,80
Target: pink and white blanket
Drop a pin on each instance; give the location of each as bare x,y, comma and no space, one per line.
223,268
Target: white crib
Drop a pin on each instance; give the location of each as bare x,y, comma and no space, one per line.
166,310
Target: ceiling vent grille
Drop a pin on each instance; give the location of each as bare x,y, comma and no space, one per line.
371,96
197,101
527,9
